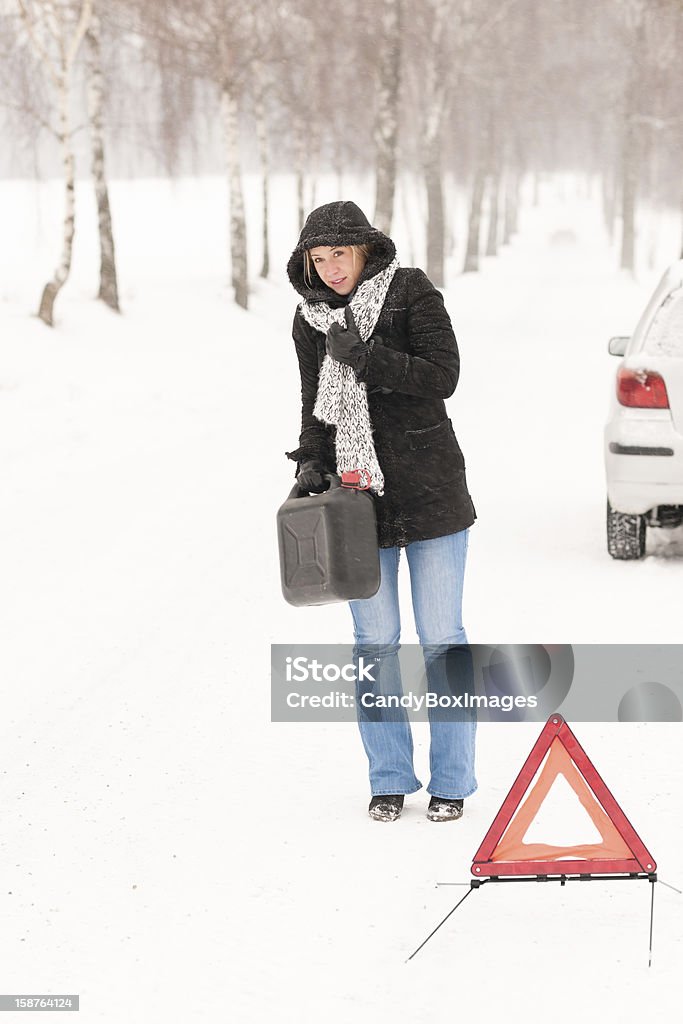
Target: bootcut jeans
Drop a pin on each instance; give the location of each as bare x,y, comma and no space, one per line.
437,569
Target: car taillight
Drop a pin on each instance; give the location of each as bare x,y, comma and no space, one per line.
642,389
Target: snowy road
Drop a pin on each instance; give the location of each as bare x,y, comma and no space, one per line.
166,851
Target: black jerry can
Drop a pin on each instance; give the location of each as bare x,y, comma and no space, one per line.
328,545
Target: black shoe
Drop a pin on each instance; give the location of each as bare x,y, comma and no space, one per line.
386,807
441,809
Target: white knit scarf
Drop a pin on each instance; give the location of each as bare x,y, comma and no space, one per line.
341,399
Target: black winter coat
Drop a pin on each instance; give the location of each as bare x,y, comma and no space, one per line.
412,367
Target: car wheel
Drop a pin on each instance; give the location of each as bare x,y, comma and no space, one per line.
625,534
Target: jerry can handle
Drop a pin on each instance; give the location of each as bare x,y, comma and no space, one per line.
299,492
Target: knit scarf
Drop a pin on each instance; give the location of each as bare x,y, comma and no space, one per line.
341,399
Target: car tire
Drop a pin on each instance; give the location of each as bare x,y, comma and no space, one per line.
625,534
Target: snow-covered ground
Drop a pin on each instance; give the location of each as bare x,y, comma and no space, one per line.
165,850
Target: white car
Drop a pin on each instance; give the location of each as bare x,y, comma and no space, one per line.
644,433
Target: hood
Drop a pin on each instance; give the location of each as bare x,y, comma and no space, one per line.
341,223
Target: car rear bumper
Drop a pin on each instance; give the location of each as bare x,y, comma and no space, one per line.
643,462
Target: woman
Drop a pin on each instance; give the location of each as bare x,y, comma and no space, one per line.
383,333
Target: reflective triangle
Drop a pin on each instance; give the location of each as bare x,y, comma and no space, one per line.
504,850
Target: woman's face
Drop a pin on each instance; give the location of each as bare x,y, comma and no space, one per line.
336,266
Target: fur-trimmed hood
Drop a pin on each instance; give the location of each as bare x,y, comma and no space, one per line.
340,223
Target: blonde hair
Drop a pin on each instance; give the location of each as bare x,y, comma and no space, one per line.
356,250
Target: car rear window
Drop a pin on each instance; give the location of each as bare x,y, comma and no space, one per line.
665,337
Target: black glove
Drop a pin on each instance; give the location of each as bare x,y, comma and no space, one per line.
346,345
310,477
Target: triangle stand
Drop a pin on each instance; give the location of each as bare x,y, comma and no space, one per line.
503,856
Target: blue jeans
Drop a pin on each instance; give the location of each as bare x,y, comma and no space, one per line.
437,569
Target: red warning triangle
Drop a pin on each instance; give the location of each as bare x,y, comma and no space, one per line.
503,850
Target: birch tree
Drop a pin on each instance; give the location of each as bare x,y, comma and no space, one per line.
663,120
261,84
631,153
387,119
437,78
108,290
513,184
56,31
230,108
476,199
492,235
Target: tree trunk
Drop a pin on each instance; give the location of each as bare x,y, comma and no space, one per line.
300,162
53,287
450,236
264,156
492,238
386,128
492,147
514,210
630,150
339,163
435,213
312,161
238,227
265,263
43,22
406,217
628,196
300,197
474,225
436,96
609,201
511,206
108,292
